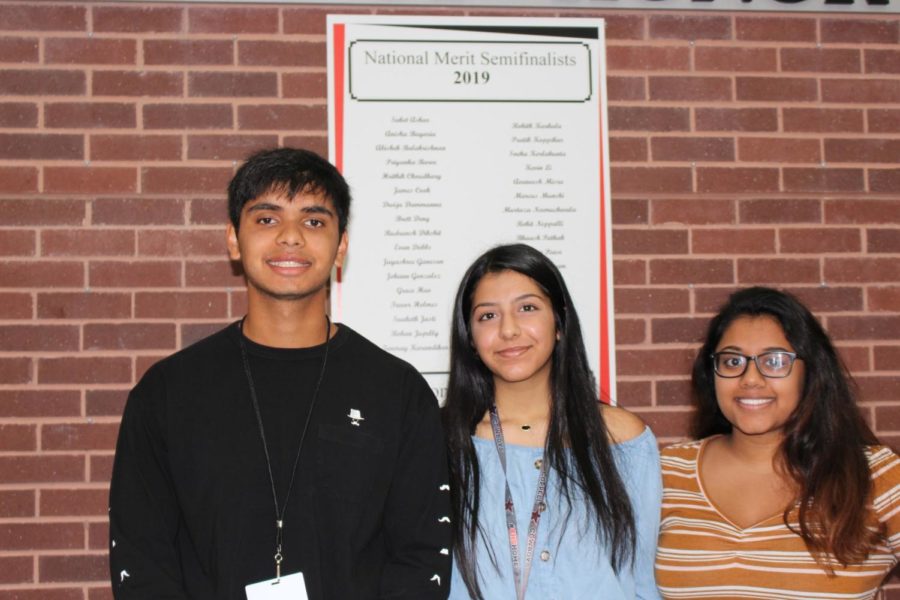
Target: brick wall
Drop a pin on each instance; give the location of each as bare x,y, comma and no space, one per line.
746,148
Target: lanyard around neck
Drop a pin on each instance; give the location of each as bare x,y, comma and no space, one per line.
281,509
520,570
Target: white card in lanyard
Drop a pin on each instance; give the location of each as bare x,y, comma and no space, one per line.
283,588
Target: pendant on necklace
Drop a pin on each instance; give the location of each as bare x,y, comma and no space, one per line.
526,427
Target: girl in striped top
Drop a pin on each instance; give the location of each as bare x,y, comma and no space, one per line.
786,494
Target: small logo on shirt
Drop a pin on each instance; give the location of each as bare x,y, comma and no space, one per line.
355,417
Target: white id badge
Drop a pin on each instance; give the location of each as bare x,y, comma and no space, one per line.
290,586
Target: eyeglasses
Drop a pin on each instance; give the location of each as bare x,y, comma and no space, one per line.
775,364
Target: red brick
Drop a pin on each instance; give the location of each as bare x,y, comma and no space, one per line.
819,241
239,297
89,115
83,305
693,211
48,17
648,58
208,211
860,31
17,242
776,89
885,120
16,503
188,52
18,180
883,241
90,180
129,336
733,241
882,61
41,536
218,273
18,438
15,370
304,85
768,271
137,83
105,403
101,467
51,274
645,118
280,53
19,50
675,361
135,147
740,59
18,114
861,91
713,149
15,305
678,330
883,298
862,150
887,358
685,88
309,19
864,327
84,369
630,272
187,116
140,274
174,180
690,27
87,242
42,469
227,147
42,212
621,26
855,358
229,84
624,88
823,120
630,331
736,119
143,362
737,180
314,143
181,243
651,301
862,270
779,150
862,211
887,417
821,60
97,51
43,593
138,211
637,241
651,179
40,403
43,82
829,298
691,270
775,29
137,19
193,332
628,149
233,20
885,181
633,393
49,338
281,117
629,212
823,180
710,300
38,146
81,567
98,535
74,502
673,392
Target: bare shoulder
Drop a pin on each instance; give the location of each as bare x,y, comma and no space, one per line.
621,424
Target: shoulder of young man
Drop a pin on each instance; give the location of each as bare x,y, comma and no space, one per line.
621,424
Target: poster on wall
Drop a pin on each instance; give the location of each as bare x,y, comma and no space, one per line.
457,134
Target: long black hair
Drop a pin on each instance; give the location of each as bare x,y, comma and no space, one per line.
575,427
823,450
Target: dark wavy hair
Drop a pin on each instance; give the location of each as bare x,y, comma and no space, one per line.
575,427
825,439
291,171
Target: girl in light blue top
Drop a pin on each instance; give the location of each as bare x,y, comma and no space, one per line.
556,496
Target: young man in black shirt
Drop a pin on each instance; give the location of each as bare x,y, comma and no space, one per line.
284,443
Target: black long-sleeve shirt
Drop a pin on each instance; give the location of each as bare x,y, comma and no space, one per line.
191,508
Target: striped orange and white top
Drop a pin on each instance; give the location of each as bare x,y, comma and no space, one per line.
703,555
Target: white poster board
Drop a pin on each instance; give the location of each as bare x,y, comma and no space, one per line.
457,134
